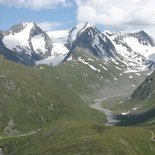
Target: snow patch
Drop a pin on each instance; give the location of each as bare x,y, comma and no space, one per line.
57,78
70,58
135,108
125,113
115,78
90,59
42,68
103,67
138,74
85,74
118,68
99,70
92,67
39,44
52,60
122,101
86,63
59,49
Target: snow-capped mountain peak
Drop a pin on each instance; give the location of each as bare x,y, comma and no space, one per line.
19,27
28,38
88,36
83,26
135,48
28,23
79,28
141,36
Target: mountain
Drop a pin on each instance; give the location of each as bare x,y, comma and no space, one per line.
118,47
87,36
28,42
136,48
135,51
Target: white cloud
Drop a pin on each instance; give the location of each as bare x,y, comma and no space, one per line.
47,26
36,4
118,14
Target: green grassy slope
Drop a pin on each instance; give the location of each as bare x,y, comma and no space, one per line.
33,97
43,110
79,138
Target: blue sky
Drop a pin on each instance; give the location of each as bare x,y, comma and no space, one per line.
115,15
61,17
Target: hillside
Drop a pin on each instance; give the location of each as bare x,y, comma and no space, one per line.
139,107
43,113
34,97
48,91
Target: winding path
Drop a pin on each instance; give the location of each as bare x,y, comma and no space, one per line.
22,135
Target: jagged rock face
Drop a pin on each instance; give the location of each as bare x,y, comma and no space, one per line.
143,38
1,34
14,29
146,89
89,37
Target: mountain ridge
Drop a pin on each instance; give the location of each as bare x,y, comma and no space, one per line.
105,45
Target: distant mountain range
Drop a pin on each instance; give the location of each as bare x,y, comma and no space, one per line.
28,44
